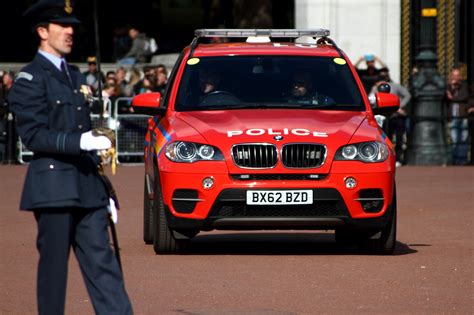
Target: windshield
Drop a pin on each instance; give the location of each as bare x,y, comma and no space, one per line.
236,82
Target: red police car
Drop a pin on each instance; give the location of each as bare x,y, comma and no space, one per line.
264,133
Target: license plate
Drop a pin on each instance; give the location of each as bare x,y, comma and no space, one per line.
279,197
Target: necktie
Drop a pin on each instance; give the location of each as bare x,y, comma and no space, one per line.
65,72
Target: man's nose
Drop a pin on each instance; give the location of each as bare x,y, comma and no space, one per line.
69,29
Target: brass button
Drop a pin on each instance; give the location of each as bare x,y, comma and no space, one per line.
58,102
51,166
75,91
80,126
79,108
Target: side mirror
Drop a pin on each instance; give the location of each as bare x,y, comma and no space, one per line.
148,104
386,103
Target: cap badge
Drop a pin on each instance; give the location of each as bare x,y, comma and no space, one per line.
67,6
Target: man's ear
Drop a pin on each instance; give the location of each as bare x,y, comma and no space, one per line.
42,31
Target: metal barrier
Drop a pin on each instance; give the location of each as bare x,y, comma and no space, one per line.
130,130
130,133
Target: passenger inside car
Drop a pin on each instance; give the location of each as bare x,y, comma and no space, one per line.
301,90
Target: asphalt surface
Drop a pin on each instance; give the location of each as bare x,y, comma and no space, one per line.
278,272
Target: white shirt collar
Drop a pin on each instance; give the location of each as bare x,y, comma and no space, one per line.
55,60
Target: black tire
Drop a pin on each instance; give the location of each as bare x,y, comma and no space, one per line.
148,212
385,243
163,239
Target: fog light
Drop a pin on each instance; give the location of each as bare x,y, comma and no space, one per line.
350,182
208,183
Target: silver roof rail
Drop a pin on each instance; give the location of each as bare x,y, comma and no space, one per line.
288,33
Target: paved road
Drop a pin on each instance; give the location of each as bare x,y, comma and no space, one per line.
272,272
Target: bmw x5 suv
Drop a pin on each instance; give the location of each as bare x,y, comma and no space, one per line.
271,130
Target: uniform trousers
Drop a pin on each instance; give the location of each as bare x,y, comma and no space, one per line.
85,231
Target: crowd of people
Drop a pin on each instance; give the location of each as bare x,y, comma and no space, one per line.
458,109
397,124
128,82
124,83
119,83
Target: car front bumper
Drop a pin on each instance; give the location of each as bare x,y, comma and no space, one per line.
189,205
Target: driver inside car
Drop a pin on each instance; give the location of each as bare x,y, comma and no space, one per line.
208,82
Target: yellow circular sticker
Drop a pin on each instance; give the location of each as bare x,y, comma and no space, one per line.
339,61
193,61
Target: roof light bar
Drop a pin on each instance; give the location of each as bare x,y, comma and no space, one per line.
292,33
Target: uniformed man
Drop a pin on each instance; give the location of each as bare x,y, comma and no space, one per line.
62,185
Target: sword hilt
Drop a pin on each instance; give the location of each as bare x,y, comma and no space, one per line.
109,154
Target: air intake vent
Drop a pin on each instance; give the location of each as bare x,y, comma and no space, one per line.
371,200
255,155
303,155
185,200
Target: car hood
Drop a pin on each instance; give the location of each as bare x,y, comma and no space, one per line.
239,126
224,129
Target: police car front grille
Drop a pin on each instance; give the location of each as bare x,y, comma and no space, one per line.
255,155
303,155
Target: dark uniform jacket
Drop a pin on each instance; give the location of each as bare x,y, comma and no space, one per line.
51,116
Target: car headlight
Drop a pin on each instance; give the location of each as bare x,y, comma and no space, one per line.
188,152
370,152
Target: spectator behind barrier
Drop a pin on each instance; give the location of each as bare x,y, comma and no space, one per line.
122,43
92,75
138,53
161,78
457,95
397,122
470,115
109,95
370,75
135,77
122,83
8,134
148,83
5,87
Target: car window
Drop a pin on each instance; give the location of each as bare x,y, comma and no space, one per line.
234,82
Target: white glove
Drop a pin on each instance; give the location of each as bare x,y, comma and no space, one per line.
90,142
112,210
